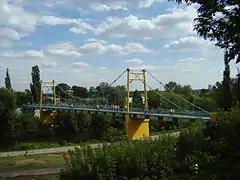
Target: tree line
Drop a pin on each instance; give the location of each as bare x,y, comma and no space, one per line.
18,125
222,95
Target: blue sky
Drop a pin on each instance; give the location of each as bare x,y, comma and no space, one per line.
86,42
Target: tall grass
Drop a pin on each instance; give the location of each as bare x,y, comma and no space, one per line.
132,160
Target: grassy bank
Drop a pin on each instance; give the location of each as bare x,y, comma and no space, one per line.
33,145
9,164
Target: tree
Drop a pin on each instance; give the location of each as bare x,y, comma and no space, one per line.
8,81
98,126
79,91
23,97
238,86
137,99
7,107
236,89
170,86
120,95
226,84
224,29
24,125
35,86
64,90
91,92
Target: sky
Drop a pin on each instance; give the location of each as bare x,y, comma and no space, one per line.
87,42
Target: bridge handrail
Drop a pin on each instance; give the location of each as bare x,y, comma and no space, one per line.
155,111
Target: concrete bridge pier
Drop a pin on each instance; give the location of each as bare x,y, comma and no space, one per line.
137,128
47,117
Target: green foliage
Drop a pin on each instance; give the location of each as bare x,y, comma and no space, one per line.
236,90
35,86
137,99
79,91
179,89
23,98
7,107
223,147
24,125
8,84
98,126
213,146
133,160
80,122
226,86
62,89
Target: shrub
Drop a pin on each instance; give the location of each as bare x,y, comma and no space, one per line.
139,159
223,147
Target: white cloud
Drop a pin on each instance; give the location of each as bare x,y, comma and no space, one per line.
62,49
80,65
49,64
188,65
102,68
52,20
103,47
134,61
110,5
192,60
17,23
58,59
26,54
147,67
7,35
177,22
189,43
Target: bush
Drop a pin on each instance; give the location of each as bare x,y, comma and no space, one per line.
113,134
223,147
139,159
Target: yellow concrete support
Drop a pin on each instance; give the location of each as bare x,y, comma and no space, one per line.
138,129
47,117
213,116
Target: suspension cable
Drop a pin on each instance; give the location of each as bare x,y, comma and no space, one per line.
71,96
118,77
108,85
165,98
137,75
177,94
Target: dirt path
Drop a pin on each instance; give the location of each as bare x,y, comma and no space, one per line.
30,172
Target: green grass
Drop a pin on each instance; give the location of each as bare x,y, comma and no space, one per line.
24,146
31,162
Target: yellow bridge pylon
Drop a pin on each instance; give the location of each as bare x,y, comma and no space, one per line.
48,116
136,128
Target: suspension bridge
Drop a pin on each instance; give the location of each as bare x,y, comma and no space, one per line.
137,119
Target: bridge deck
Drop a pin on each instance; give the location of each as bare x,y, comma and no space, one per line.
139,113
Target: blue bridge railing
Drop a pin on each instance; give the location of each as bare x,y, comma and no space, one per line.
121,110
